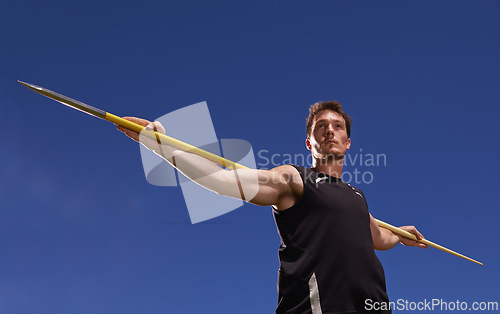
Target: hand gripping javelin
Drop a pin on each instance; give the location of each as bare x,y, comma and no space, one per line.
164,139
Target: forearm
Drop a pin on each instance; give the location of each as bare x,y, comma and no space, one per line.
386,240
232,183
241,183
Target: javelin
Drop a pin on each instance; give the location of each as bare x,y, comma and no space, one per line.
165,139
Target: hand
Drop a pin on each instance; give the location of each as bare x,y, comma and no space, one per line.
151,126
409,242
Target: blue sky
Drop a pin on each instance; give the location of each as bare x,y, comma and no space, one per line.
81,230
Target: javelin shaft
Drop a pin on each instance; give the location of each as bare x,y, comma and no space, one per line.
162,138
408,235
165,139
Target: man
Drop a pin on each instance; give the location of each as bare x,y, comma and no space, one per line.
328,237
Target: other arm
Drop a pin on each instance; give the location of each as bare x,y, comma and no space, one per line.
384,239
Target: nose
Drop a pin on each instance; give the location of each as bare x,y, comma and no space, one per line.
329,130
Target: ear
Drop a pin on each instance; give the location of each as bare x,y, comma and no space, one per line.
308,144
348,143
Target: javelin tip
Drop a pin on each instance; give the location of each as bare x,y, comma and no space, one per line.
28,85
66,100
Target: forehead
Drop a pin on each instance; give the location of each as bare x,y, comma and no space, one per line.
328,115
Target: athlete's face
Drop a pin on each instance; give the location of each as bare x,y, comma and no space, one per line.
328,136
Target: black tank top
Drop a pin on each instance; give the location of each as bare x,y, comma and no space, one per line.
327,259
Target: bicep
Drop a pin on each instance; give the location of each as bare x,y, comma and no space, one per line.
266,187
383,239
375,230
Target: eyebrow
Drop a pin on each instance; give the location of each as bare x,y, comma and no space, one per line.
325,120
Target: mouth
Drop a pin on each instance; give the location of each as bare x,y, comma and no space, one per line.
330,142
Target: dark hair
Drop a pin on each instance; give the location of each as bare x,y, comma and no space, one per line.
327,105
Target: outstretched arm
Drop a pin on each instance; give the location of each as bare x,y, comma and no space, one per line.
260,187
384,239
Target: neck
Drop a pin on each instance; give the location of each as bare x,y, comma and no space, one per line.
331,166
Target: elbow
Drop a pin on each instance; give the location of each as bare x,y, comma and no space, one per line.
242,187
381,247
385,244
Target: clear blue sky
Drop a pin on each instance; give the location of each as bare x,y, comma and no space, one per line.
81,231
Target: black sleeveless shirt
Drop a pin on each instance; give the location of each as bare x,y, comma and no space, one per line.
327,259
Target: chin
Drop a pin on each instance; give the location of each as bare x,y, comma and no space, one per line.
334,152
333,156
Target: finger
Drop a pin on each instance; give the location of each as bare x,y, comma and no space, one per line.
150,126
142,122
133,135
422,245
121,128
159,127
414,231
408,242
139,121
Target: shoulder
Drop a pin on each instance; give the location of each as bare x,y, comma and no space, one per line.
289,173
291,177
287,170
356,190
